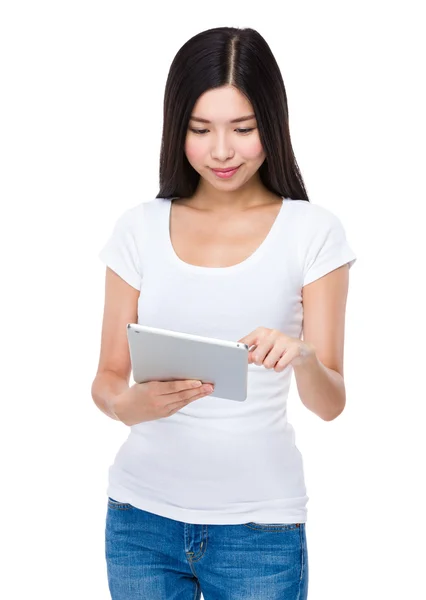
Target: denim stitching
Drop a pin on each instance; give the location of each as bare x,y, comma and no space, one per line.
114,504
302,560
265,527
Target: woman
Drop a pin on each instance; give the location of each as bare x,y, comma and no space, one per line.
207,495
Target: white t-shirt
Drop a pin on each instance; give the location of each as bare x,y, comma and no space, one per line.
218,461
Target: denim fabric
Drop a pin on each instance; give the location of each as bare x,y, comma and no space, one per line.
156,558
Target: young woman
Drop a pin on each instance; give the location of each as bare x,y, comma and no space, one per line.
207,495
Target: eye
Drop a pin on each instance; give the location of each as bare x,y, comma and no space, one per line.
201,131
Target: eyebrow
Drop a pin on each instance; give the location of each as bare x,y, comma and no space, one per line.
246,118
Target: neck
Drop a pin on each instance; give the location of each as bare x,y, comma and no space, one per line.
210,199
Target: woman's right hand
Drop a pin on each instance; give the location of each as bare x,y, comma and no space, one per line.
156,399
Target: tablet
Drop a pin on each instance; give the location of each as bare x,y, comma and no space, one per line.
165,355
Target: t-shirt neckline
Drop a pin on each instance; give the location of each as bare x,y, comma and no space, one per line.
255,256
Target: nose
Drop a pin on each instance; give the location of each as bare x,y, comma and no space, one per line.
221,149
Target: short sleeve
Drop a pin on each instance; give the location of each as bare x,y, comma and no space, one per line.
328,249
121,251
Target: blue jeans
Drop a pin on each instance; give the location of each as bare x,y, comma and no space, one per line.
156,558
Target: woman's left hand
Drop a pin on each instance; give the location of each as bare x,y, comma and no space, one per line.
275,350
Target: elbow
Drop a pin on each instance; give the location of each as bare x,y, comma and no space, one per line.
335,414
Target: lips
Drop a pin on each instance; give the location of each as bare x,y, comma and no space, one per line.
225,170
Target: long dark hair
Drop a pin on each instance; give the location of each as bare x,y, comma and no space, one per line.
243,59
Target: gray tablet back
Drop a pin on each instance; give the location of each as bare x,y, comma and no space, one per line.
162,355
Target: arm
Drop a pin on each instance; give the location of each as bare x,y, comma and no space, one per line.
319,380
114,368
106,386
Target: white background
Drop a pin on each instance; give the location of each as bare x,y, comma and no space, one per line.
82,88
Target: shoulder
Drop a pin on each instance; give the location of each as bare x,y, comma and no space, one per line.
133,216
313,215
312,221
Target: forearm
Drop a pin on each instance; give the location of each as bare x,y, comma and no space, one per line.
322,390
105,388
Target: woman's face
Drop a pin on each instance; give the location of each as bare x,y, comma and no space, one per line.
220,144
